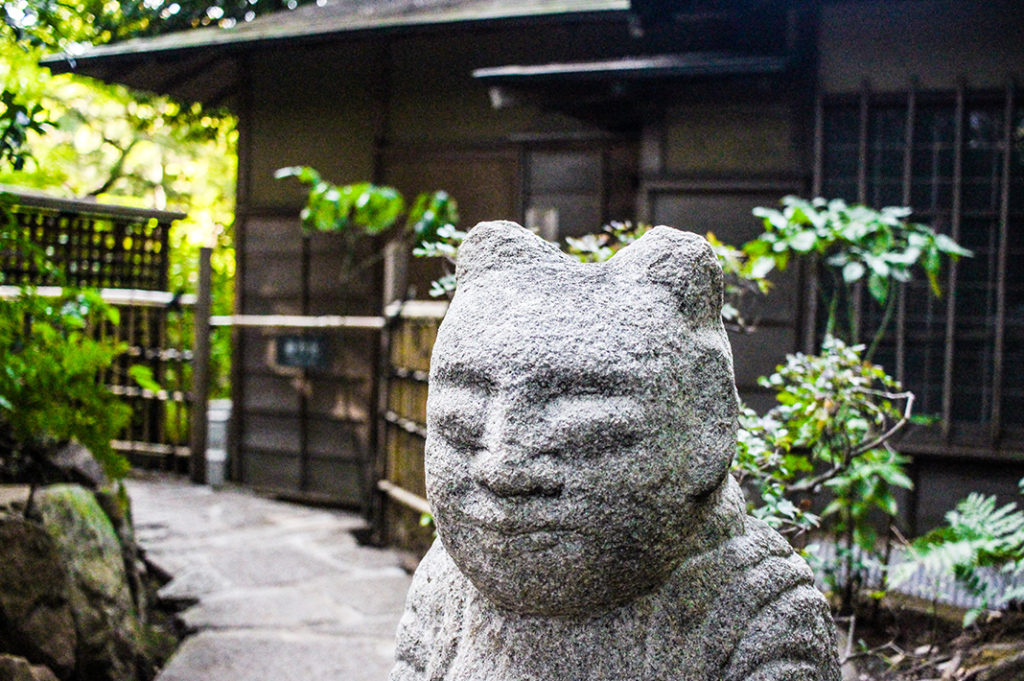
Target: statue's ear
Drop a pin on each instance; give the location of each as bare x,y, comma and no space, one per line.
681,262
501,245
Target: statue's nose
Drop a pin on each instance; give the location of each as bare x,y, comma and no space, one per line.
509,470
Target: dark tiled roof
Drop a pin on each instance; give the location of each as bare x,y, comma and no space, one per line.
330,17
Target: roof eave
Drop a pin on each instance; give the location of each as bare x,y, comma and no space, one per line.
224,40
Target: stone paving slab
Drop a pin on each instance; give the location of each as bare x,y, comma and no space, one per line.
277,656
277,590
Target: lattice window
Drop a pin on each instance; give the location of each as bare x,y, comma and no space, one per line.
102,251
956,160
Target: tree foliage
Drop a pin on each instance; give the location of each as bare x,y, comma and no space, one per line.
35,27
88,139
61,24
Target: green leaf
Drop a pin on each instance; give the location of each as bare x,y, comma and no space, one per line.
304,174
143,375
933,282
950,247
377,208
878,287
761,267
853,271
878,265
430,213
932,262
834,507
804,241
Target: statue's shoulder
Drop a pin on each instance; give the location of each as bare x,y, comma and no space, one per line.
745,610
436,587
759,611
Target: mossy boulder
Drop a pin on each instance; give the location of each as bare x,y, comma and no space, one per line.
13,668
101,602
36,621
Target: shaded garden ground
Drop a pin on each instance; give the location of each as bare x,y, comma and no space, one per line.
903,642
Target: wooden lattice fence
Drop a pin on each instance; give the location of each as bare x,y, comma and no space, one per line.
97,245
404,407
124,252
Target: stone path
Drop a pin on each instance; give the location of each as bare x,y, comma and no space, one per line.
280,591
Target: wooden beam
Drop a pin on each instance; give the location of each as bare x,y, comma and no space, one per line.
404,497
949,347
270,321
1001,268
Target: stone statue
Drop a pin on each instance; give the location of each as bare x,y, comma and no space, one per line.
581,422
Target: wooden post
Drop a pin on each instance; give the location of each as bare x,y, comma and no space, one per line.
374,500
396,256
304,454
201,370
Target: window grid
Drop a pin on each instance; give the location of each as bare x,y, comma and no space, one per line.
956,159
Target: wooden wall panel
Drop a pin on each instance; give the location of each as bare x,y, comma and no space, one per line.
332,439
940,42
336,479
270,470
270,393
273,433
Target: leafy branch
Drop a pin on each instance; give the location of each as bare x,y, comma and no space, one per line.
857,245
366,209
55,356
831,429
361,210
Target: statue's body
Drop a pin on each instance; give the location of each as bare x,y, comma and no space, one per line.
581,422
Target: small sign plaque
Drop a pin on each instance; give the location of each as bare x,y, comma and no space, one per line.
301,352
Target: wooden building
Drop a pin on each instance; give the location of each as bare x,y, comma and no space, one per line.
569,113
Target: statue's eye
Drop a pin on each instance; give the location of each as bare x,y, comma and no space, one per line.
599,439
608,425
460,431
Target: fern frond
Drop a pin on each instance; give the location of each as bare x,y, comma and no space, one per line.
981,545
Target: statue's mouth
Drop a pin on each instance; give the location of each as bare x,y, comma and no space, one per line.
519,536
512,527
538,540
528,532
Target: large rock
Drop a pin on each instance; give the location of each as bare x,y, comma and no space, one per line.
114,501
35,610
102,604
581,423
13,668
77,464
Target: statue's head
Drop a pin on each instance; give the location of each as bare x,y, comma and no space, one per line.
580,416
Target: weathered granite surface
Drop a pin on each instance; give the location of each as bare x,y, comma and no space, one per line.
36,620
101,601
581,422
13,668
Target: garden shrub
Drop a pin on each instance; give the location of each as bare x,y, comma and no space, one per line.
982,546
51,388
829,432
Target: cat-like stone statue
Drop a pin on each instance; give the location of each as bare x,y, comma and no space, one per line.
581,422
